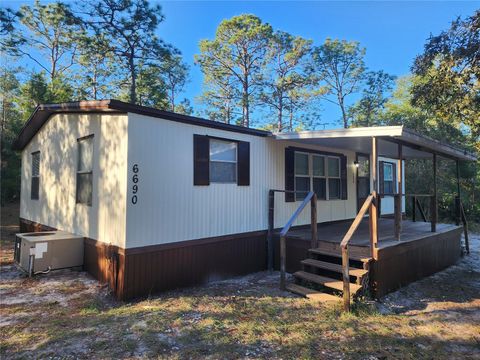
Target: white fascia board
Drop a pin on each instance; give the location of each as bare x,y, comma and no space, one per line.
393,131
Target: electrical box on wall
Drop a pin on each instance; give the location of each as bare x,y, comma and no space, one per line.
48,250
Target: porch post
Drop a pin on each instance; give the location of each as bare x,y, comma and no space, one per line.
399,196
271,207
457,198
374,208
433,203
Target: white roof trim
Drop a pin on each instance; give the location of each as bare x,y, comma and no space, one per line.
350,132
397,132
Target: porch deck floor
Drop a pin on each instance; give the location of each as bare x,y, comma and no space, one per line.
334,233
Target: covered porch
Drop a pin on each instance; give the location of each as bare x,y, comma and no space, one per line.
393,251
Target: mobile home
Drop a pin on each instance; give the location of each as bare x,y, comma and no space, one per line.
165,200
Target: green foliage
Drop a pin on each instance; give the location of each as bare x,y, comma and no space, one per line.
52,30
448,75
175,76
339,67
10,126
374,96
236,58
128,27
96,68
286,82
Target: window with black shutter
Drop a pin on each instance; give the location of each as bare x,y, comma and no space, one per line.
35,189
324,173
218,160
85,170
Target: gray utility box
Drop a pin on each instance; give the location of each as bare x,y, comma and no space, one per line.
50,249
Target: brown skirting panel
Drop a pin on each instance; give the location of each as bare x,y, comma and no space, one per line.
296,250
137,272
163,267
410,261
32,226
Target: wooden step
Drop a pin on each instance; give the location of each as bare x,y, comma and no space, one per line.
325,281
312,294
339,255
334,267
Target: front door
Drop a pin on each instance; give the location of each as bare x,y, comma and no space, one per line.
363,179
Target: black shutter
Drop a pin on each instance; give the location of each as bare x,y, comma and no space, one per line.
381,183
243,163
201,160
289,174
343,177
35,188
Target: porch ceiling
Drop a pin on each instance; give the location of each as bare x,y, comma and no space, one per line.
415,146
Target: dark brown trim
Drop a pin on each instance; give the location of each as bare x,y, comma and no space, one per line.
85,137
32,226
43,112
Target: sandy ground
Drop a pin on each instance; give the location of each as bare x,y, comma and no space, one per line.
67,314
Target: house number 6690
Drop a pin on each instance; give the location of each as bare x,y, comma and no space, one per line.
135,184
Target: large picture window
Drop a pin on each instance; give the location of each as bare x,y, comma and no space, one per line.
85,170
223,161
318,172
35,189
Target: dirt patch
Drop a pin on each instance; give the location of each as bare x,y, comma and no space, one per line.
67,314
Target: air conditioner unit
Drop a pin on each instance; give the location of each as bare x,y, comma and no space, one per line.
48,250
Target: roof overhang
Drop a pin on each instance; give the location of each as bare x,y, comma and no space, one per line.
415,145
43,112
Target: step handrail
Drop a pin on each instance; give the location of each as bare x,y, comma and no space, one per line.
310,198
463,219
369,204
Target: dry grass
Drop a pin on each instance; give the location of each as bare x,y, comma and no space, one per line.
69,315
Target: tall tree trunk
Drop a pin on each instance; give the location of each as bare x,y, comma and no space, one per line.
245,101
172,99
133,78
280,113
344,113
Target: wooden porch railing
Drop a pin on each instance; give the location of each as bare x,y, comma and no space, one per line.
371,205
310,198
416,204
463,218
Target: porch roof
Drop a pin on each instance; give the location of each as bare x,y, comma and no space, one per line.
359,140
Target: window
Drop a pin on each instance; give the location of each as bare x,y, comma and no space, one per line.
34,194
388,178
85,170
302,175
333,178
313,171
223,161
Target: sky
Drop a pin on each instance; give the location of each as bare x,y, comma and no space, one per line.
393,33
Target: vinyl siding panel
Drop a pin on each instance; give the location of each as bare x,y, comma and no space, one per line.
56,207
170,208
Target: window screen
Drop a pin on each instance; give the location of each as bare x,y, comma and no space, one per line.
223,161
388,178
35,189
85,171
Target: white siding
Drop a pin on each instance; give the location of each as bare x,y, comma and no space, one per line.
171,209
56,207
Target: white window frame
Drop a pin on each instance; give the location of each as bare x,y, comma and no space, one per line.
325,176
309,175
339,177
83,172
224,161
36,153
386,163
